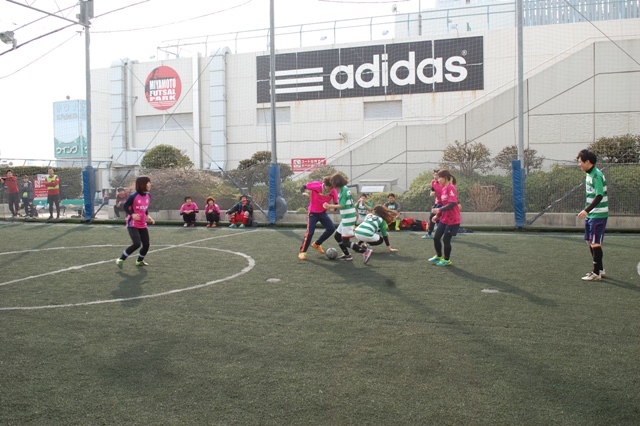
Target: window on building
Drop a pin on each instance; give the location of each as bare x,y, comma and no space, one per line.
156,123
283,116
382,110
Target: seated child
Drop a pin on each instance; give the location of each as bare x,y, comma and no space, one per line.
212,212
240,214
188,212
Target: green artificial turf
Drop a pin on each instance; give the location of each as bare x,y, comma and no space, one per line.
228,327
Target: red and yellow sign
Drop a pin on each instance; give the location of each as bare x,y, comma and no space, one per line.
307,164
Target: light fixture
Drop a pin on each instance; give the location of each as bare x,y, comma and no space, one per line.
323,38
7,37
385,32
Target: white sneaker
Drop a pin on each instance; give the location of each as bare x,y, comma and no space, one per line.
592,277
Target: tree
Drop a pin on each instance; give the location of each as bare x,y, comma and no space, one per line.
617,149
255,170
507,155
165,157
466,158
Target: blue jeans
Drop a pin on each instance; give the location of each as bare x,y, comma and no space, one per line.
312,221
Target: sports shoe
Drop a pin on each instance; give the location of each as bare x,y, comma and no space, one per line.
345,257
185,225
427,236
241,225
233,225
318,247
444,262
141,263
208,225
213,225
435,259
592,277
119,263
367,255
302,255
602,273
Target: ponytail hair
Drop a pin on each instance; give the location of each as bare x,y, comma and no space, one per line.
385,213
444,173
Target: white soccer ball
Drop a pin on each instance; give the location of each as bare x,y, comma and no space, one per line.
331,253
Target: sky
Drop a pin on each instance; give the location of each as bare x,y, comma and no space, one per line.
49,62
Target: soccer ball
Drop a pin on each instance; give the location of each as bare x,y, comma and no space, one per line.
331,253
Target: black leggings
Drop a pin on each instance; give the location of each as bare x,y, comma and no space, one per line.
139,237
343,245
441,227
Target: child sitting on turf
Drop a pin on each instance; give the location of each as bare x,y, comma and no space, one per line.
212,212
188,212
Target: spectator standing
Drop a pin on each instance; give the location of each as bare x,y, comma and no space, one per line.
13,193
52,182
26,188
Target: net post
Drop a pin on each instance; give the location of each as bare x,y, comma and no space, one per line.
519,206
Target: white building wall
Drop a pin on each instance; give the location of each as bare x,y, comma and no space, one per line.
568,107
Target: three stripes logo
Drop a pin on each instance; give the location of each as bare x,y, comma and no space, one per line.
299,81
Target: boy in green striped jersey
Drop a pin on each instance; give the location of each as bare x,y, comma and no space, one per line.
348,217
373,223
595,213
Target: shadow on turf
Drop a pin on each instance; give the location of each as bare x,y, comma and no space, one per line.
621,284
129,287
488,247
502,286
